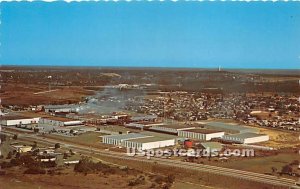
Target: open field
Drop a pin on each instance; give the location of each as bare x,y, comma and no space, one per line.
67,180
281,139
261,164
35,94
88,139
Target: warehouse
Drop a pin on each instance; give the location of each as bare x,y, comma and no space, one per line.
114,130
136,140
229,128
141,125
201,134
118,139
15,120
61,108
172,129
246,138
149,143
146,118
59,121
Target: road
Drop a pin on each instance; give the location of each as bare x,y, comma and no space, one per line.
239,174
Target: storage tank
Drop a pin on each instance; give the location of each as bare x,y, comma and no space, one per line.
188,144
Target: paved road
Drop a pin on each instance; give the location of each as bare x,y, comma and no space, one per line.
239,174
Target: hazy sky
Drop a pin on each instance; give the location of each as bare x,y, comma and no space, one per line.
194,34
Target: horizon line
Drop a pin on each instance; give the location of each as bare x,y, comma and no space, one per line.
148,67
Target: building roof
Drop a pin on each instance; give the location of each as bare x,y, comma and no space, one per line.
126,136
115,128
203,131
146,117
228,126
61,106
175,126
246,135
149,139
63,119
160,135
15,117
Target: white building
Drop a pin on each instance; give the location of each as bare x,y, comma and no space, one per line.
201,134
170,128
149,143
18,120
136,140
59,121
246,138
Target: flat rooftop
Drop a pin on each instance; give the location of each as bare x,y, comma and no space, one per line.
126,136
175,126
115,128
229,126
64,119
246,135
160,135
149,139
15,117
203,131
61,106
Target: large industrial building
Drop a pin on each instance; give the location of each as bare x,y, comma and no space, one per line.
15,120
246,138
172,129
229,128
59,121
200,134
138,141
61,108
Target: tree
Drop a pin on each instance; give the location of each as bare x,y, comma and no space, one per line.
15,137
287,169
2,138
65,156
71,152
9,155
18,155
57,145
34,145
170,179
274,169
295,162
36,130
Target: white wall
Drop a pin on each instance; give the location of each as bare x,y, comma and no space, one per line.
20,121
158,144
249,140
256,139
215,135
66,123
51,122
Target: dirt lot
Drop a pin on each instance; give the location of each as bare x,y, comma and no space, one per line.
25,95
281,139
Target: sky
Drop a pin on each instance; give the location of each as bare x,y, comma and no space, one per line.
151,34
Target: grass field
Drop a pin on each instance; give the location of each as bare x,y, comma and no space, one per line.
89,138
261,164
